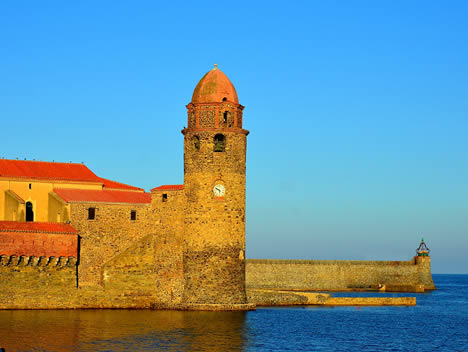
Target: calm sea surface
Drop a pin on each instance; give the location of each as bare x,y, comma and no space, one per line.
439,322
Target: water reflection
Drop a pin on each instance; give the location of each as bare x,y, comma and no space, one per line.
121,330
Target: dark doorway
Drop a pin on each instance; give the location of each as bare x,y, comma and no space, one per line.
29,212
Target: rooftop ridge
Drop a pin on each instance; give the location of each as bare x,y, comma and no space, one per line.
43,161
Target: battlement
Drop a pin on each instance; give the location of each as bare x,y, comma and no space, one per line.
33,261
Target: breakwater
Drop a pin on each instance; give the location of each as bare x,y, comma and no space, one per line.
336,275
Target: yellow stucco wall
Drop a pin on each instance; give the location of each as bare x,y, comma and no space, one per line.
13,209
45,207
58,210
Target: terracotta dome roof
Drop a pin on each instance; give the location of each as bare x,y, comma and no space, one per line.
214,87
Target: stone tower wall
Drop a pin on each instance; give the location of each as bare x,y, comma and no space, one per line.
214,228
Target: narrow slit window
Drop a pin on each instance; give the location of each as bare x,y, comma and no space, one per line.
91,213
196,142
30,186
164,197
133,215
225,117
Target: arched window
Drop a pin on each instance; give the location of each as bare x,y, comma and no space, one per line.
196,142
225,117
219,143
29,212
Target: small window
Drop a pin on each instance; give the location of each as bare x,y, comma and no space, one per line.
196,142
91,213
224,99
219,143
225,117
164,197
133,215
30,185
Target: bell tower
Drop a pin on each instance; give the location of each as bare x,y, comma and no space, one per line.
214,184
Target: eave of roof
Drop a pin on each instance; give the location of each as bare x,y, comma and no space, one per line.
168,188
14,195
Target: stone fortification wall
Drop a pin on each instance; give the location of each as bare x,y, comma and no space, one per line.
136,278
152,266
133,270
168,213
124,263
146,270
108,235
336,274
40,273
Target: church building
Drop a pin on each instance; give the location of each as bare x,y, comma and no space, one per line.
64,210
72,239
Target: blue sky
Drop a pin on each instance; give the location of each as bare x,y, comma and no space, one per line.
358,111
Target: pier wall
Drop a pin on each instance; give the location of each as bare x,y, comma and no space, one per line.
335,275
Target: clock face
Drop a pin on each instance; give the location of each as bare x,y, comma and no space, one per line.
219,190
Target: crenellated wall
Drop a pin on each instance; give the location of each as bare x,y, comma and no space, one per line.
51,283
40,273
337,274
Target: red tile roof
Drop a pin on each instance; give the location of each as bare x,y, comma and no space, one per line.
96,196
46,170
109,184
45,227
168,188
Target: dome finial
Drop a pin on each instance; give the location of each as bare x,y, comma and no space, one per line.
215,66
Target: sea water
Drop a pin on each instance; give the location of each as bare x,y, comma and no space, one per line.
439,322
